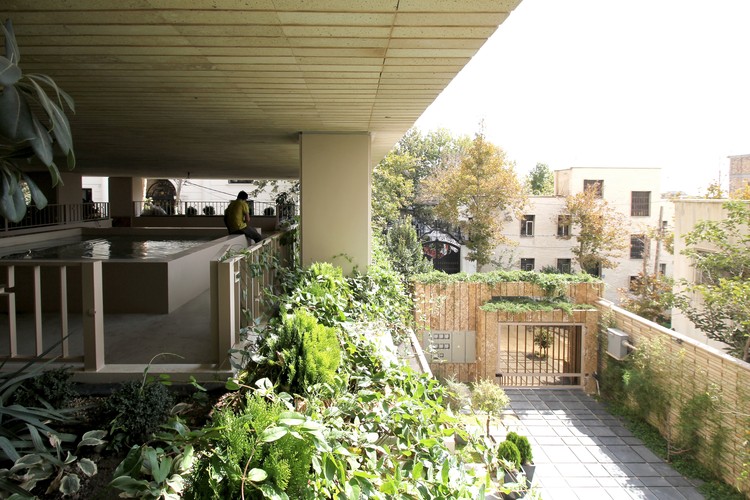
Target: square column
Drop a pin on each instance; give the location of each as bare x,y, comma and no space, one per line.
335,199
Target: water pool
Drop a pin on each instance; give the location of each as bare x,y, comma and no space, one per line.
110,247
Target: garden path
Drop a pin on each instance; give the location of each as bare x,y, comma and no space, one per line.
584,452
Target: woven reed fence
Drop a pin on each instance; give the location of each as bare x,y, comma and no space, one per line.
694,369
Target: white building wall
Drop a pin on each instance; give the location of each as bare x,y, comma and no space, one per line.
545,247
687,214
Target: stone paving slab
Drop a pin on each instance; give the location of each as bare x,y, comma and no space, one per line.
583,452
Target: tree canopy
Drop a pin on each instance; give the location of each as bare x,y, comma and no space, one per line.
723,282
597,229
540,180
474,193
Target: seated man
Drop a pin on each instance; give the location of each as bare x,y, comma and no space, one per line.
237,219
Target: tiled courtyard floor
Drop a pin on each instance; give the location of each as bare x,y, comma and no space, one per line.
583,452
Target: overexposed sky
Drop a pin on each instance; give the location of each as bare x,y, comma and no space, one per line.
612,83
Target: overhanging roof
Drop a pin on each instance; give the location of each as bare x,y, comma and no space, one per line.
222,88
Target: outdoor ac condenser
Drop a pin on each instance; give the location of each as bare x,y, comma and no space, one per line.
616,343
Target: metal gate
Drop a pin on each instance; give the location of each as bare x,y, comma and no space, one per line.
539,354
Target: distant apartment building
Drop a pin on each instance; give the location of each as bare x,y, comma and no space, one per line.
544,237
739,172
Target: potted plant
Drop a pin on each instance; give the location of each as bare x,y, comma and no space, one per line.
527,458
488,397
509,460
543,338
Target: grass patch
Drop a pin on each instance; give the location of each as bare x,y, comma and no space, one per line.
516,305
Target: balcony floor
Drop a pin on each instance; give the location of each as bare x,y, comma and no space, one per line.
584,452
132,338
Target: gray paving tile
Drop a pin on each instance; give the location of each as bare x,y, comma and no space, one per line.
625,454
582,482
609,482
583,454
678,481
641,494
617,494
656,481
561,455
647,454
612,440
641,470
690,493
667,493
598,471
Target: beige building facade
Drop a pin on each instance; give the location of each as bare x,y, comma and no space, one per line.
541,241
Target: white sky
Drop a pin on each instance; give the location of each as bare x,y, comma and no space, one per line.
611,83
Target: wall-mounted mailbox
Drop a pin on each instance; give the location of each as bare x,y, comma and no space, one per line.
617,343
450,346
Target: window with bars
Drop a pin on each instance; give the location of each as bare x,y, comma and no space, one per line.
563,226
596,184
637,246
527,225
564,265
527,264
640,203
663,269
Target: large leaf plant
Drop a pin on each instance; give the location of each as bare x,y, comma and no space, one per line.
31,123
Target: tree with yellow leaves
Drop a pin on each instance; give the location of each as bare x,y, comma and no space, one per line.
598,230
475,193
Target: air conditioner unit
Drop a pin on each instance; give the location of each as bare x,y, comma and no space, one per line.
617,343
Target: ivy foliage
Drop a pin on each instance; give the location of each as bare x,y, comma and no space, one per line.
554,285
517,305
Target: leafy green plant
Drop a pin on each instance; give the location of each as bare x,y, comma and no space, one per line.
59,468
459,393
523,445
261,449
520,305
136,410
20,425
51,386
152,473
488,397
645,378
25,134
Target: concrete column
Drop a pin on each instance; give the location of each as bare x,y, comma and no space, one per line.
69,193
123,191
335,199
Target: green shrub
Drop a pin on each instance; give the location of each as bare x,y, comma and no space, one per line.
509,456
137,409
523,445
299,353
52,386
241,455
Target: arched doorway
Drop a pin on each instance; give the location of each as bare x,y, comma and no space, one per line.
445,256
162,194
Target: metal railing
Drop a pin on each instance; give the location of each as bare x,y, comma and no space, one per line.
59,214
211,208
239,284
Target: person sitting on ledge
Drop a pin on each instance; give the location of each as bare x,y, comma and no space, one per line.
237,219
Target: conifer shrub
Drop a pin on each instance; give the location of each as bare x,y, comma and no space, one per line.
523,445
240,445
509,456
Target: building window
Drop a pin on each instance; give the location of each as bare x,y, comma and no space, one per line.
527,264
240,181
664,225
662,269
637,246
596,184
640,203
527,225
564,265
563,226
